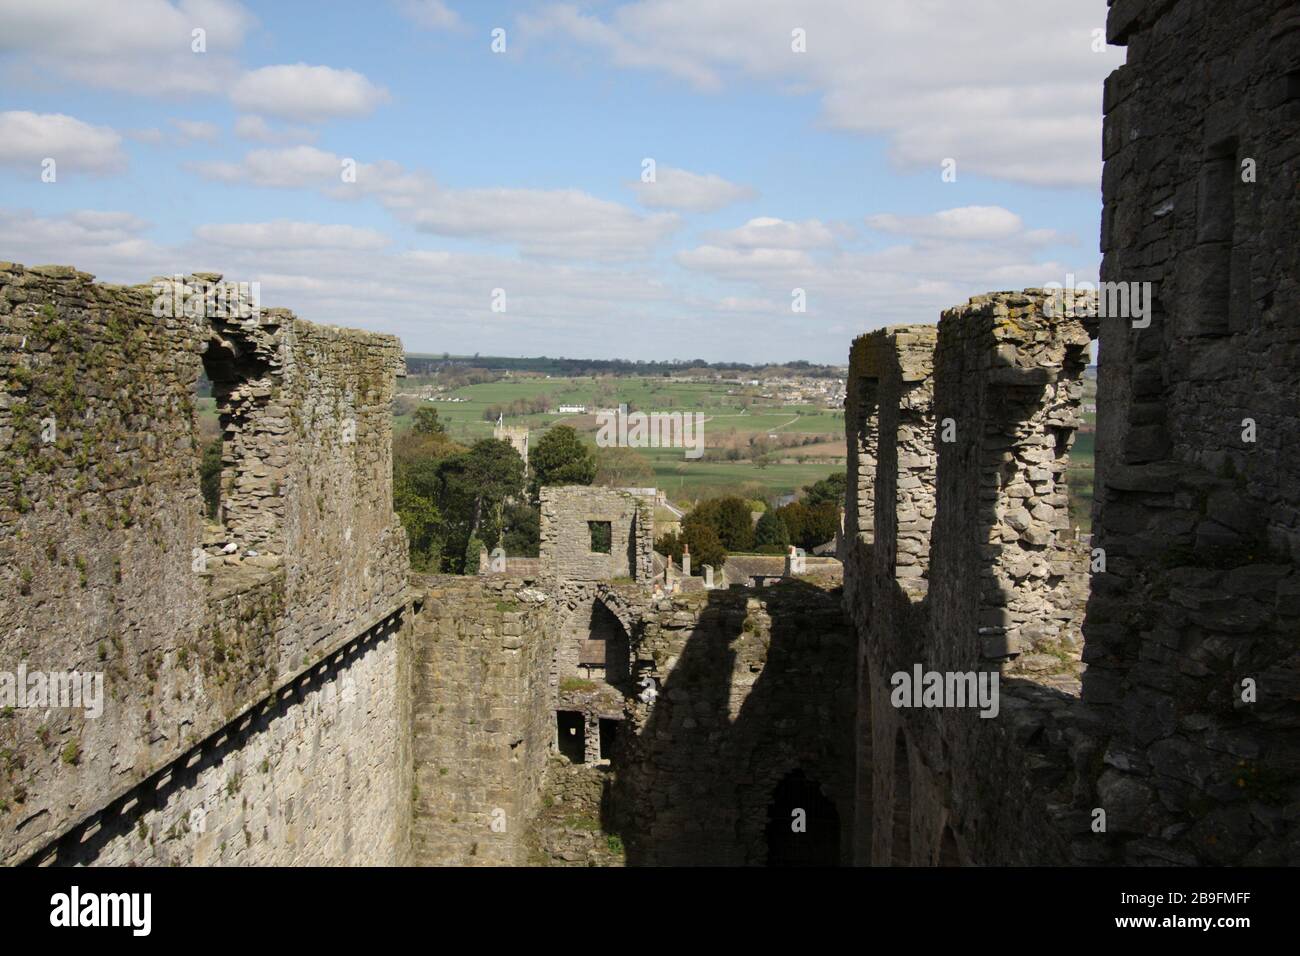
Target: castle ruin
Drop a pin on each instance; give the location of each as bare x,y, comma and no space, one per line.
280,688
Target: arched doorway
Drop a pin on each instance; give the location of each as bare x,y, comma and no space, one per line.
803,826
594,647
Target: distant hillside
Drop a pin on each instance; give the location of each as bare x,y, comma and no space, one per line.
424,364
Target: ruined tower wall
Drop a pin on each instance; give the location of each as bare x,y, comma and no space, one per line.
566,538
972,421
484,720
1009,381
106,554
1200,524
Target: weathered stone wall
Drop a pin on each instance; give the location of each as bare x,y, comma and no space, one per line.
570,831
751,686
1198,516
106,557
566,538
484,719
319,774
1009,381
962,570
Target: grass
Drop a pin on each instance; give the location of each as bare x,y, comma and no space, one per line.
1080,477
735,416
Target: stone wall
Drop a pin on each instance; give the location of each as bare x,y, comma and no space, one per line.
962,436
107,560
1198,502
566,537
484,720
317,775
751,686
1009,382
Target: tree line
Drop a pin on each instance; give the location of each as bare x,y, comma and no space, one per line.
722,526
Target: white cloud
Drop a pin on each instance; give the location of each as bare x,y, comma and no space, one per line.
196,131
434,299
256,129
966,222
690,192
151,135
294,167
91,240
432,14
736,305
544,223
304,93
766,232
283,233
137,46
554,223
26,139
1011,90
745,263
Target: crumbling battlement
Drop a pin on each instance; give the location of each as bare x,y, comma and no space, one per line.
106,560
958,559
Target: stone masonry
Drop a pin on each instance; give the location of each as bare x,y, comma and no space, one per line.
961,436
1190,634
106,557
278,690
1181,745
567,513
483,715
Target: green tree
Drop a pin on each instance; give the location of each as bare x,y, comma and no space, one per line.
210,477
794,516
821,525
729,520
426,422
560,458
521,533
474,487
417,490
415,493
703,542
669,544
771,533
622,468
830,488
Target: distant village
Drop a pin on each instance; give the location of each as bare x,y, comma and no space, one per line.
786,390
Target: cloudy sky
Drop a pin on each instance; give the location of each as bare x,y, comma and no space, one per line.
654,179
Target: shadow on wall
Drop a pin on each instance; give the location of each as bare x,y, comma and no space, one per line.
979,606
747,755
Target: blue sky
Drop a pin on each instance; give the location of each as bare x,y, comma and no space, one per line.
776,169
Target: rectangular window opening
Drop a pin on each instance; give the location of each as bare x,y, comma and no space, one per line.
602,536
608,735
571,735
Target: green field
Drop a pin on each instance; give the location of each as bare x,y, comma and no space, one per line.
1080,479
730,420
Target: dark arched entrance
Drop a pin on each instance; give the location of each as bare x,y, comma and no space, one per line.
809,838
